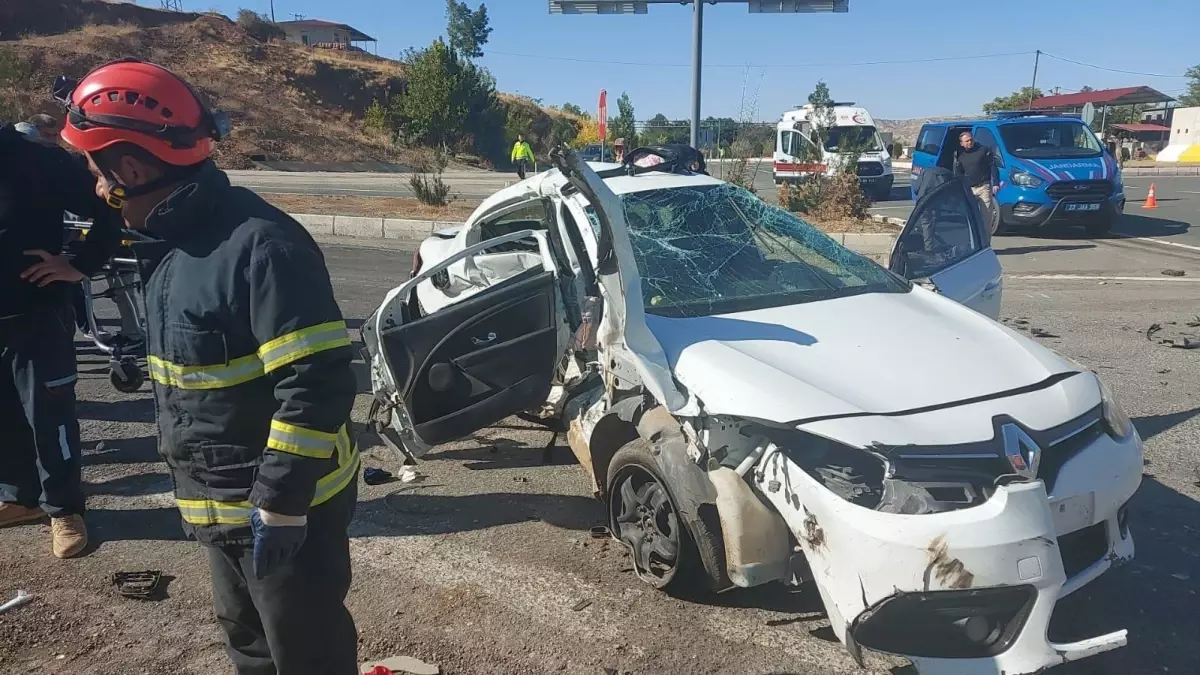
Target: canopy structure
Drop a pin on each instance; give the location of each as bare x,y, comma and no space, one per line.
1102,97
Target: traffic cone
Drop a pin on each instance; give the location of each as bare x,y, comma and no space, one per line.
1151,200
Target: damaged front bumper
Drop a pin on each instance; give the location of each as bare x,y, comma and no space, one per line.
971,591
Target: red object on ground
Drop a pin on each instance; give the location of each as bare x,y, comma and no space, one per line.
380,670
1151,200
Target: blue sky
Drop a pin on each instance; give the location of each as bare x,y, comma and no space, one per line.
1152,36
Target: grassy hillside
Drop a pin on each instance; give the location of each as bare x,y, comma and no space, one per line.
287,102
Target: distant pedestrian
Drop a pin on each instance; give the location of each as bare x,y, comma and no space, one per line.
978,165
619,150
522,155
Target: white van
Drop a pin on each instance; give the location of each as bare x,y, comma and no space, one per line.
795,132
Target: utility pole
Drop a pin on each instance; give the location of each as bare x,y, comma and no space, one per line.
272,11
1037,57
172,5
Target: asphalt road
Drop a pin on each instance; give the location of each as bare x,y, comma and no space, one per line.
486,565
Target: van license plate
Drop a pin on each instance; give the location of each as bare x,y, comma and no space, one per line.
1083,207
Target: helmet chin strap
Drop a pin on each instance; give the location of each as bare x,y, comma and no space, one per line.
120,193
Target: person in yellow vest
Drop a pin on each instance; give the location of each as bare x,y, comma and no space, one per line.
522,156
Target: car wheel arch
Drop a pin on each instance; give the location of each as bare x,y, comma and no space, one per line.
660,434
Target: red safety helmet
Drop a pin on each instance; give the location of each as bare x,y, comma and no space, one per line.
131,101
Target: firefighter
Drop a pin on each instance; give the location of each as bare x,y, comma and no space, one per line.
39,432
250,362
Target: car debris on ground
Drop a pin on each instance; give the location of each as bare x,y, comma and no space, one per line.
147,585
399,665
22,598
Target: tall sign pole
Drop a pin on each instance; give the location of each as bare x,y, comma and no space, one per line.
640,7
697,57
602,121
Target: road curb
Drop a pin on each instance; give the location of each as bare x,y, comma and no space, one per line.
1162,171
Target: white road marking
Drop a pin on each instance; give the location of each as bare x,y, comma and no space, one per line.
1096,277
1189,192
1158,241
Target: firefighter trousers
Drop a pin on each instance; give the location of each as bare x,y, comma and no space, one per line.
39,432
294,622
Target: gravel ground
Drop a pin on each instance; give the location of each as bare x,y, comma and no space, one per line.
480,566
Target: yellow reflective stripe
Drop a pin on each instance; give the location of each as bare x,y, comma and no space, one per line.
337,480
300,441
299,344
209,512
237,371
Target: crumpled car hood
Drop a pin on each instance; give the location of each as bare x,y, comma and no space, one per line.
872,353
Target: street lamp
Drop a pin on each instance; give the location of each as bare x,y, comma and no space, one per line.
754,7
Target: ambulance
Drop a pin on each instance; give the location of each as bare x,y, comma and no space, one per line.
799,152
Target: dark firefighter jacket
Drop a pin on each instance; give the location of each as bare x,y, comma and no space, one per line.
38,183
249,357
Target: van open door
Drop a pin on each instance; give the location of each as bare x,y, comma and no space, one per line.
946,245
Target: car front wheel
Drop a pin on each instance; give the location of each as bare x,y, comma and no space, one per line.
644,517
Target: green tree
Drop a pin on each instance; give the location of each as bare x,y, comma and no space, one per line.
1192,96
1018,100
624,125
573,109
467,30
450,101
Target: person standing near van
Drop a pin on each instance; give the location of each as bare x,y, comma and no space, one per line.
522,155
977,164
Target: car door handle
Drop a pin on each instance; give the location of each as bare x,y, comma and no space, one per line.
485,340
990,288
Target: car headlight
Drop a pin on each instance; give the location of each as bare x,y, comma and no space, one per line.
1026,179
1115,418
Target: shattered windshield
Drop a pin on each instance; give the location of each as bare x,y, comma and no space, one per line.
718,249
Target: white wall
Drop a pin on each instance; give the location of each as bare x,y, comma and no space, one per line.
316,34
1185,129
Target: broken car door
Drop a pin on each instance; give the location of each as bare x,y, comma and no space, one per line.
944,242
472,363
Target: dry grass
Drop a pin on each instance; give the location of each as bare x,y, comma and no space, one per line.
375,207
865,226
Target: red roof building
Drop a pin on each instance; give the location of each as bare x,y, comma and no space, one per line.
1102,97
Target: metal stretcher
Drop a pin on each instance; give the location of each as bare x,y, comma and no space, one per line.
122,286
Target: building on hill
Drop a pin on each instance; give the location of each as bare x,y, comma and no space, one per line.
327,34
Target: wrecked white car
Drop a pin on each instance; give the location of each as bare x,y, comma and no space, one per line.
755,403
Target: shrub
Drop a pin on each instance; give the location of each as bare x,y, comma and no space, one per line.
834,197
427,184
257,27
897,148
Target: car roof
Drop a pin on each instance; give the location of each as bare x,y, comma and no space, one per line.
548,182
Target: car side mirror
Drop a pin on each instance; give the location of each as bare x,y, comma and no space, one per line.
889,148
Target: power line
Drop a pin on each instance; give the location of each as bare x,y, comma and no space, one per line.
769,65
1111,70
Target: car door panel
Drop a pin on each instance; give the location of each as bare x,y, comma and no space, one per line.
474,362
480,360
944,241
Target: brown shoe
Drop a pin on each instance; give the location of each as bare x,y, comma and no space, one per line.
70,536
15,514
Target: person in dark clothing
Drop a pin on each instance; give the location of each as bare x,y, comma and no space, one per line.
251,367
39,455
978,165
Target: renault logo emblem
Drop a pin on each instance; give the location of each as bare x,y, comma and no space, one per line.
1022,451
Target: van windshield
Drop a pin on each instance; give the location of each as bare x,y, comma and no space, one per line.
1048,140
848,139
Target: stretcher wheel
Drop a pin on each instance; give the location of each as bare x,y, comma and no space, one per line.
125,376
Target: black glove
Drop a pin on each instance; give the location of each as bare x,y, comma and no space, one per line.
274,545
